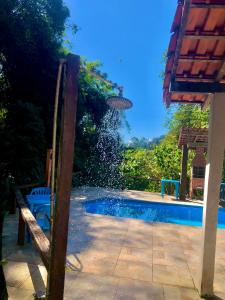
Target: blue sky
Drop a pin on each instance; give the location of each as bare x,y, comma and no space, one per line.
129,37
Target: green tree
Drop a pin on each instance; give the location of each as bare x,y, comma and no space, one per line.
164,158
30,47
186,116
140,170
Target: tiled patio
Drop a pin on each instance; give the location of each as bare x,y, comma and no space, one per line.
115,258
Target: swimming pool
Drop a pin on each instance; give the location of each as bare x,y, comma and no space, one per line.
190,215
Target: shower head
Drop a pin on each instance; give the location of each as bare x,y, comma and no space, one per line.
119,102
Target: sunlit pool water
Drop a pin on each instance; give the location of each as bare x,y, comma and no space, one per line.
190,215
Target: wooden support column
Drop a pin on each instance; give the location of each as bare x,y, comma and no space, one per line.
183,177
213,175
48,167
60,225
21,230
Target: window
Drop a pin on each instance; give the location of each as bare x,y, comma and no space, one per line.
198,172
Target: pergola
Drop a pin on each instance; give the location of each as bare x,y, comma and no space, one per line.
190,138
195,73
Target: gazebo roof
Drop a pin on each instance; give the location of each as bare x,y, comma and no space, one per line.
193,137
195,66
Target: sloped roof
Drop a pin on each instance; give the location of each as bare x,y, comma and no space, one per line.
193,137
195,65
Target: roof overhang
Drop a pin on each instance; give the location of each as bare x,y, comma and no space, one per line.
195,67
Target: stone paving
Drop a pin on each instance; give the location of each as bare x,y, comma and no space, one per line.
116,258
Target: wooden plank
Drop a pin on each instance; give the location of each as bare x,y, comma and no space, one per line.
60,225
40,240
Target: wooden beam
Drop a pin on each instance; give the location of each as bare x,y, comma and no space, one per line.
213,176
191,78
60,224
186,101
40,240
208,6
221,73
198,87
183,178
197,144
202,60
207,101
204,36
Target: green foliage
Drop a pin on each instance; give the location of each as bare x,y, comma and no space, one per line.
31,36
23,151
30,45
187,116
140,170
143,143
168,158
163,160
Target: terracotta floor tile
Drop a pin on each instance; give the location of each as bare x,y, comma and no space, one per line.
20,294
168,258
136,254
134,270
172,275
89,286
38,279
16,273
179,293
94,260
138,240
138,290
112,257
219,282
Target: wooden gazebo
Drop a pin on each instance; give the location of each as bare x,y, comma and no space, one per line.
195,74
194,139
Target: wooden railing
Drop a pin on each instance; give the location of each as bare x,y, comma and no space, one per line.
27,220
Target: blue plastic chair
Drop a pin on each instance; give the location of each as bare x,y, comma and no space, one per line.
175,182
38,196
42,215
40,191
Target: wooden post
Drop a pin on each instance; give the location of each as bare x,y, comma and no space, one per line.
60,225
213,175
183,177
21,230
48,167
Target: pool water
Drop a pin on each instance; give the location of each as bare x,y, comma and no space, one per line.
151,211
